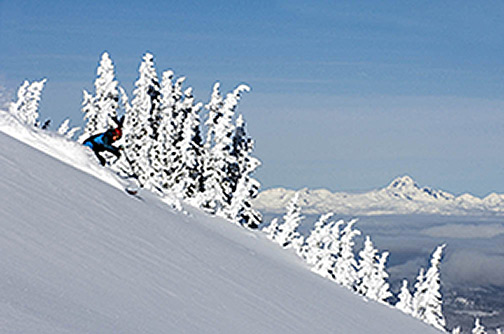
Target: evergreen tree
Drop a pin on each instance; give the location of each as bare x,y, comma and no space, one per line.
345,265
28,98
457,330
478,327
106,97
188,176
140,123
212,192
381,288
245,187
367,268
214,113
405,302
64,129
330,250
428,299
271,230
311,249
90,116
176,107
160,158
100,109
219,185
419,294
288,235
372,275
240,210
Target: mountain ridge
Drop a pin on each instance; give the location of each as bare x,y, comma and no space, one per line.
402,195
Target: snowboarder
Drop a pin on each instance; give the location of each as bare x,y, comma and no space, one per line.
103,142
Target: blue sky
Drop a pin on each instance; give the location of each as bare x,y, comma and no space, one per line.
346,95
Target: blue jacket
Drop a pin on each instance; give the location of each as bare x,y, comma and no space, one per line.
102,141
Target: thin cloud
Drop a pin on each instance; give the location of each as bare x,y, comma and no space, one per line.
465,231
474,268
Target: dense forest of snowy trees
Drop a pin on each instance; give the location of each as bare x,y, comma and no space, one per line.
202,154
164,143
329,250
171,144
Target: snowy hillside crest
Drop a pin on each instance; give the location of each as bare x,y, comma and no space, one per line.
402,196
80,256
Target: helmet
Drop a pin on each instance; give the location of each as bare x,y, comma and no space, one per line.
117,132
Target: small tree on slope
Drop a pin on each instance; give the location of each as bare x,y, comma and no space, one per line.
188,175
428,300
138,124
478,327
381,288
367,267
330,246
372,274
162,161
106,94
311,249
345,266
287,232
26,106
101,109
64,129
405,302
246,188
219,185
271,230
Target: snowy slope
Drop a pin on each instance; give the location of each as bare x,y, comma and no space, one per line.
80,256
402,196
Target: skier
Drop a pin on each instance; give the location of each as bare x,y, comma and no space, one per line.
103,142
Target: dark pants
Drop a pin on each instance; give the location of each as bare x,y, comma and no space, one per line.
97,149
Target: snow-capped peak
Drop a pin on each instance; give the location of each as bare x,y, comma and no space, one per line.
403,182
405,187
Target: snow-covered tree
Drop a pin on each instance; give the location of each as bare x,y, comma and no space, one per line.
140,122
212,195
101,108
245,187
219,186
419,294
90,116
28,98
427,302
64,129
330,246
381,289
345,265
106,96
367,267
457,330
372,274
311,249
288,235
240,210
173,108
405,302
271,230
214,113
478,327
499,331
188,174
160,151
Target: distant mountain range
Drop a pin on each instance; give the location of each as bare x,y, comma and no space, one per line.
402,196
